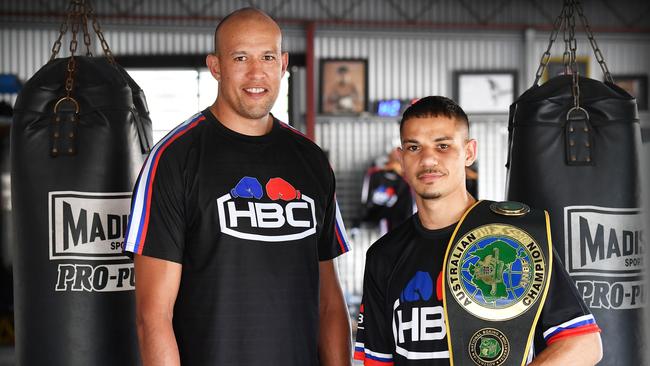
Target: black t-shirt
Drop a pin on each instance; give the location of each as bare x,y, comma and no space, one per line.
401,320
249,218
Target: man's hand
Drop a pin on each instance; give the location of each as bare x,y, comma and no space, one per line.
157,283
334,339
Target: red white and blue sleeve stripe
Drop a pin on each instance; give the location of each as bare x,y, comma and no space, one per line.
141,202
371,358
580,325
339,230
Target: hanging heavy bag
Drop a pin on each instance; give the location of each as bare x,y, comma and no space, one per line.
574,150
80,134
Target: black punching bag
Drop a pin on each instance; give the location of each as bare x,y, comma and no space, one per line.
583,167
74,163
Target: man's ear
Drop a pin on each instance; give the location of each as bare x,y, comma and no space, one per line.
285,62
212,62
470,152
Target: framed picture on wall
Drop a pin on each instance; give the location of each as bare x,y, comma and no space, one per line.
343,86
637,86
555,67
485,91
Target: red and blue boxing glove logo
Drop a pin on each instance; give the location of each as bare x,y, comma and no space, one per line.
279,189
276,189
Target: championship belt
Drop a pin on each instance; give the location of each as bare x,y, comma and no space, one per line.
496,272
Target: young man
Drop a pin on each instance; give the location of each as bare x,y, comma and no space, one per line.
401,320
234,225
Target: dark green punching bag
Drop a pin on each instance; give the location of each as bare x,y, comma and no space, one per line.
574,150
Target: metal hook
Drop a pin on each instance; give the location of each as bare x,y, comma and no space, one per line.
71,99
577,109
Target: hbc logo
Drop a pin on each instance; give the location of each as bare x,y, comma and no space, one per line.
413,322
286,214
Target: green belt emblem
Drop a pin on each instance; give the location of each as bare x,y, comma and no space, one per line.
496,272
490,348
495,260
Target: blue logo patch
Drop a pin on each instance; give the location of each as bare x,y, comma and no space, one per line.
419,288
248,187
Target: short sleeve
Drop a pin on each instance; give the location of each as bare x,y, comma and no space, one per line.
565,313
333,240
374,344
157,224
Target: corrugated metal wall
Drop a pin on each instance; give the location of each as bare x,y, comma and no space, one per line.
408,65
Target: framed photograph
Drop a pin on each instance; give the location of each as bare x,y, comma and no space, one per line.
637,86
485,91
555,67
343,86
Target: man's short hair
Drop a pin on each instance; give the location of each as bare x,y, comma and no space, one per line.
434,106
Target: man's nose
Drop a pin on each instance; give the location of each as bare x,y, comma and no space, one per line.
429,157
255,69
